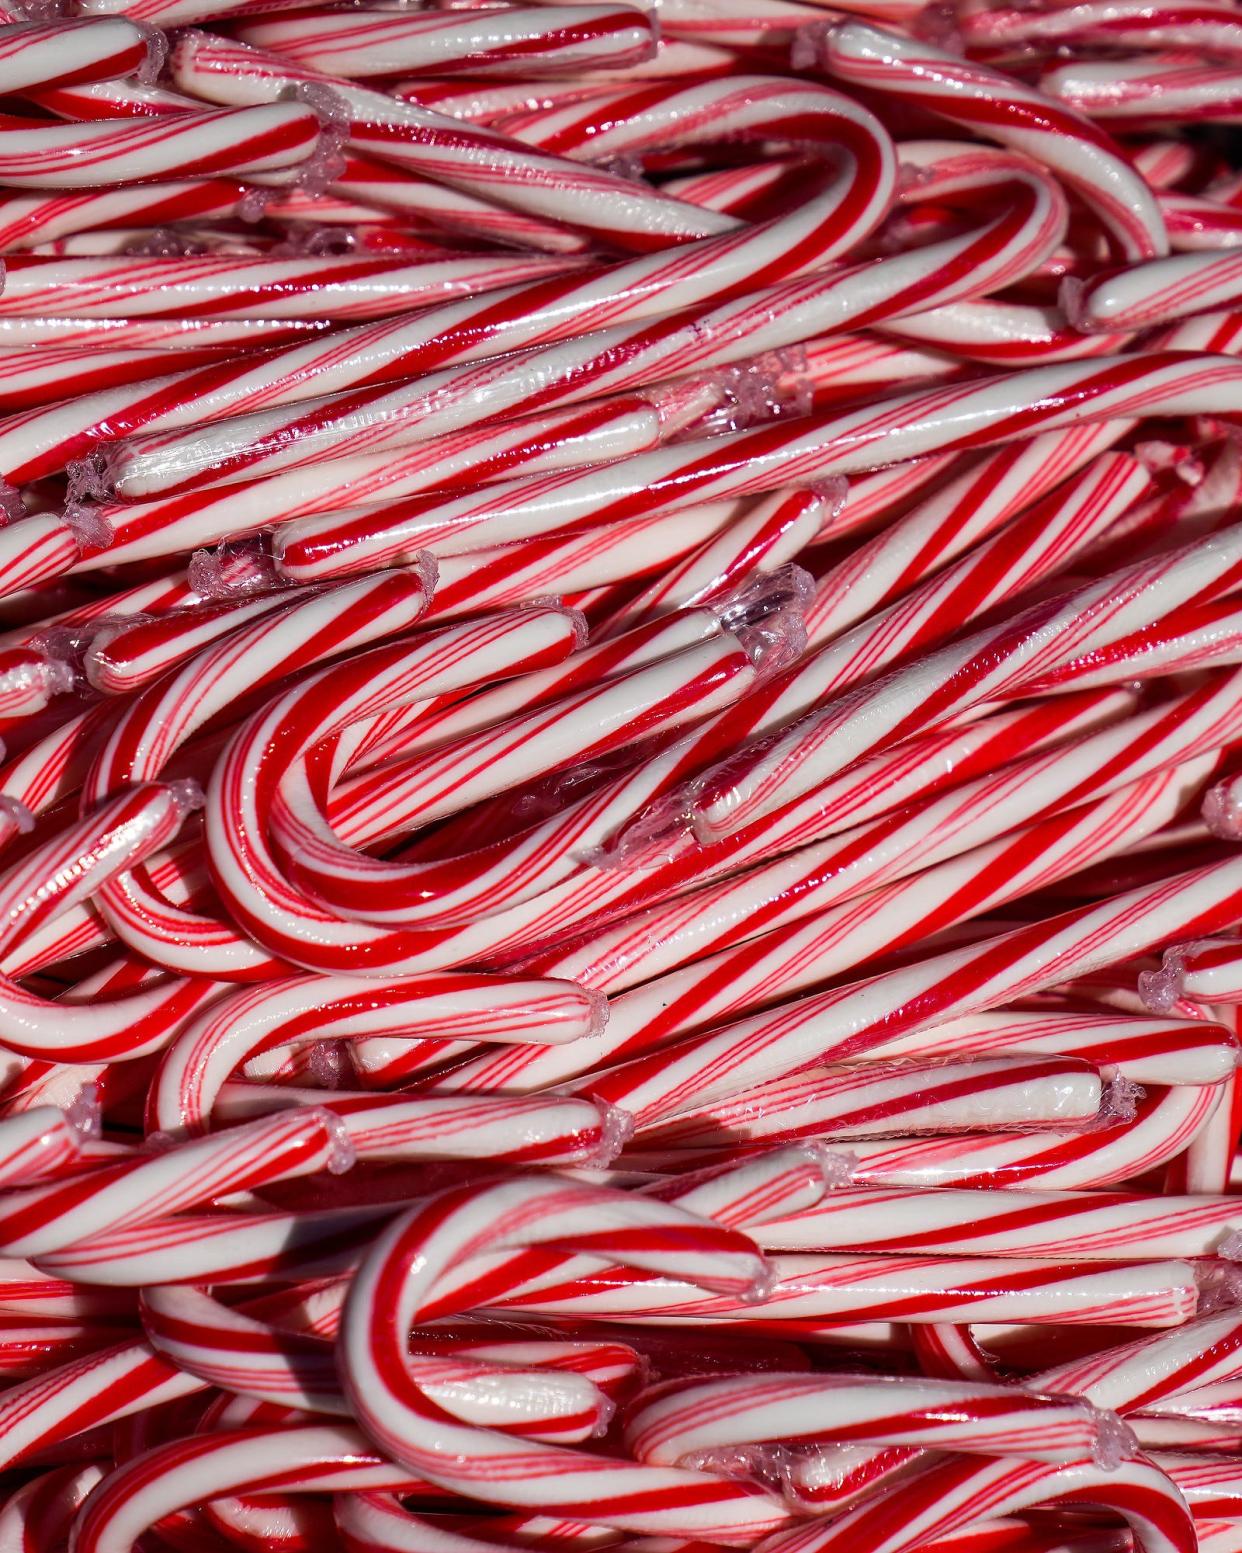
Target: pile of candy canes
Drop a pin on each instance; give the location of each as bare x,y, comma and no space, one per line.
621,808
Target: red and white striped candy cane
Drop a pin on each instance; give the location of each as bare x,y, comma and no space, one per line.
36,548
518,1129
1106,1226
959,981
539,40
401,1277
132,1498
532,1389
57,875
963,511
1129,1377
340,289
1147,91
327,702
470,458
35,54
1174,24
38,1142
31,377
1205,971
1014,658
579,728
695,1422
817,1294
84,156
444,1009
699,554
124,657
936,1499
1140,1047
1162,1127
41,1512
39,1219
1002,108
875,1098
27,220
1156,293
170,711
29,680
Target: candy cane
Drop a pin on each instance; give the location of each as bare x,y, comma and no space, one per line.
339,289
476,455
699,1421
40,1219
960,513
63,871
961,981
447,779
542,39
41,53
1176,24
173,708
133,1497
1162,1127
1146,91
1160,292
874,1098
39,1142
82,156
988,664
392,1408
1087,1225
29,219
936,1499
40,1513
1002,108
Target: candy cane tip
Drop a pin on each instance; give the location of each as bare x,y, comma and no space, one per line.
1160,990
234,569
1119,1102
89,526
788,589
578,621
12,504
90,479
152,67
342,1155
17,814
837,1167
616,1128
1222,810
1219,1282
759,1290
84,1113
1115,1442
187,795
427,569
